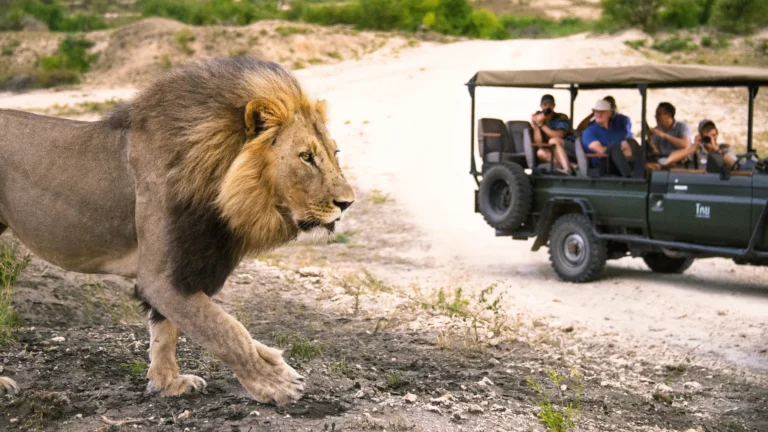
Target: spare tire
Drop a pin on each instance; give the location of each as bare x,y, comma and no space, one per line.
505,196
660,263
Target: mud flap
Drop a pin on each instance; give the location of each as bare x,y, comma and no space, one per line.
553,209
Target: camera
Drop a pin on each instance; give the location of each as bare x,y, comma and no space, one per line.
547,111
706,139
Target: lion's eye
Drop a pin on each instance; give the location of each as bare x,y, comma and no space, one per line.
307,157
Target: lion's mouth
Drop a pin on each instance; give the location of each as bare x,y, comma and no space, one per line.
308,225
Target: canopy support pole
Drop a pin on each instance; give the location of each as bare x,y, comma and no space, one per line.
473,166
574,93
752,93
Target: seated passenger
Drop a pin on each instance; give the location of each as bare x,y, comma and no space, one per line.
708,138
670,135
608,135
551,127
619,117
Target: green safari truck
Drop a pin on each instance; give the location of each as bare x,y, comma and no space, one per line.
668,216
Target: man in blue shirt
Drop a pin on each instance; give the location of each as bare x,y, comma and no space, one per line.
616,117
608,135
550,127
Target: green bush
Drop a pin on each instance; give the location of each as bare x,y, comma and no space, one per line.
82,23
484,24
680,14
673,45
537,27
385,15
452,16
641,13
740,16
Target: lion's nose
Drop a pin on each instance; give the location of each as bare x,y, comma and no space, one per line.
343,205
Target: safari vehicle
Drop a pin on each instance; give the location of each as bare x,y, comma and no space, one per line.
667,217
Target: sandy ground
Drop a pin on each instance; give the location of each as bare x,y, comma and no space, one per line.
403,127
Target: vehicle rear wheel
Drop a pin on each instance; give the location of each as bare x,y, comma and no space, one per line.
577,255
661,263
505,196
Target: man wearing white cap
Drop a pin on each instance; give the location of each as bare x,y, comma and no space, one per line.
606,135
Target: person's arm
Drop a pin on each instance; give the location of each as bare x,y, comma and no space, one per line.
559,130
628,126
596,147
678,155
681,143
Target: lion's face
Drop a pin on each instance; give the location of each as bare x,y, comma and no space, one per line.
308,179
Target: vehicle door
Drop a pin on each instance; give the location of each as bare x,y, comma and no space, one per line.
705,208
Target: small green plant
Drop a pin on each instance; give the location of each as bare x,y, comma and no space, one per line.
394,380
561,417
298,65
721,42
300,347
456,307
291,30
377,197
334,55
183,37
674,44
135,368
343,237
635,44
10,47
315,61
12,263
165,62
340,368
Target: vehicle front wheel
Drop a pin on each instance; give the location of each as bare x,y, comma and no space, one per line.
661,263
577,255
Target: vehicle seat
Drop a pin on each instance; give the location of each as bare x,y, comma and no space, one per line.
495,143
520,130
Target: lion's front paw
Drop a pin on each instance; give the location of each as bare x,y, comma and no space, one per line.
8,386
273,381
178,385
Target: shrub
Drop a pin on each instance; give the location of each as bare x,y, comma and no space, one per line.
537,27
680,14
740,16
642,13
484,24
673,45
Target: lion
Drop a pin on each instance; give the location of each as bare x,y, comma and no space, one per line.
214,161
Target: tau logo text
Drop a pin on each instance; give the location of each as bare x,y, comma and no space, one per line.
702,211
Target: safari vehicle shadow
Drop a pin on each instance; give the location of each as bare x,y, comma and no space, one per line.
689,280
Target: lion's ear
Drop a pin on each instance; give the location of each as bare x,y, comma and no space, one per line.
321,108
255,123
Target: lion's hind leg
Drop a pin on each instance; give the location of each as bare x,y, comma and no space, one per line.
8,386
163,371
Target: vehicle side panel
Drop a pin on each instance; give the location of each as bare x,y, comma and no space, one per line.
702,208
759,200
612,202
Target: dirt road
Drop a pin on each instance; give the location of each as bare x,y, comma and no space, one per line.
409,135
402,123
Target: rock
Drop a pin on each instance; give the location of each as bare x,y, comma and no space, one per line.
79,416
568,329
58,339
476,409
444,399
663,393
254,413
14,420
432,408
485,381
457,416
410,397
498,408
360,394
32,24
696,429
693,387
183,416
310,272
494,361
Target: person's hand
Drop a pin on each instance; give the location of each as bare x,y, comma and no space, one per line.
600,150
534,120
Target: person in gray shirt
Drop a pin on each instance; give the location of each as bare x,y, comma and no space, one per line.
669,135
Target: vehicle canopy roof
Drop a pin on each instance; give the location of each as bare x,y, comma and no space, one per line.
651,75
